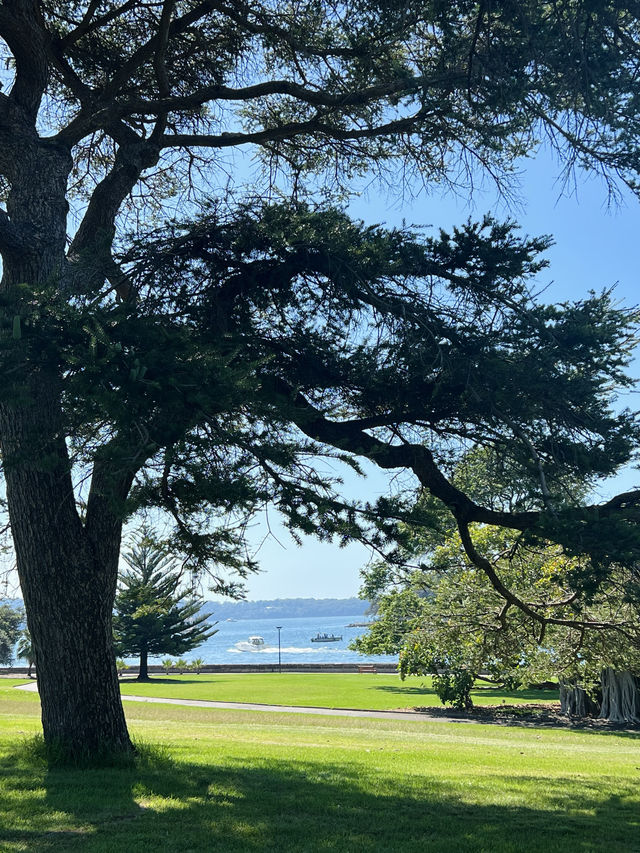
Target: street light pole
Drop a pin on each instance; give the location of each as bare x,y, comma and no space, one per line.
279,627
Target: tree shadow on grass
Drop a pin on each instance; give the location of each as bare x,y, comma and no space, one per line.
233,806
407,691
162,680
614,732
527,695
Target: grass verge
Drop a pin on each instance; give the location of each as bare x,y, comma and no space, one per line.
243,782
381,691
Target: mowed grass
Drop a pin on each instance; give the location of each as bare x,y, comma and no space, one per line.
376,691
246,782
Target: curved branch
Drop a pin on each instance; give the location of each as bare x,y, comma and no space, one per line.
23,29
290,131
400,86
89,22
349,436
94,237
79,89
528,608
149,48
85,123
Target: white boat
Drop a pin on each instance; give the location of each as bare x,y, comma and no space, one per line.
252,644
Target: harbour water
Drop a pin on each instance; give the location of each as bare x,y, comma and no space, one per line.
230,644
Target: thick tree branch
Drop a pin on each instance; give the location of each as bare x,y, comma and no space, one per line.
318,97
110,485
23,29
87,121
160,56
90,23
528,608
149,48
94,237
5,107
347,435
17,135
290,131
79,89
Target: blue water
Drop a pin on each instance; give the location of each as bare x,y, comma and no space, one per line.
229,645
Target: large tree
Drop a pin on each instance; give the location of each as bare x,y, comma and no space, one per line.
181,373
155,613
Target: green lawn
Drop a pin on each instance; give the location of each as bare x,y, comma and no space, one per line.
247,782
325,690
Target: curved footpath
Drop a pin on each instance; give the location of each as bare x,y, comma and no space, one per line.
414,716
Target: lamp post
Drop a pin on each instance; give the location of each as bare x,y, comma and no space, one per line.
279,627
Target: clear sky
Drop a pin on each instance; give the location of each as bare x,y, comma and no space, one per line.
595,248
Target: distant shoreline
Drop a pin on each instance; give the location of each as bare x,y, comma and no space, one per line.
211,668
288,608
277,608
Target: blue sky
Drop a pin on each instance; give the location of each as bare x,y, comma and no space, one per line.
595,248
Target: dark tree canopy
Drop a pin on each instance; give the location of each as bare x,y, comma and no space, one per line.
155,613
204,365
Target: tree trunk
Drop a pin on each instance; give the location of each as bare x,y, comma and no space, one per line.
575,701
77,679
68,588
67,567
143,672
68,593
620,697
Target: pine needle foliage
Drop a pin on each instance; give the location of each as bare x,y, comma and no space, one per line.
154,612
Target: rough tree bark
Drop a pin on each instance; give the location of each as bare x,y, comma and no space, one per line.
576,702
67,584
620,696
620,701
67,566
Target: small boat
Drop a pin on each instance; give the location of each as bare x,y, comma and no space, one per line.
325,638
252,644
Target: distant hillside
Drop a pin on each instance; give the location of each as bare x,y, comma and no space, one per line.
287,608
276,609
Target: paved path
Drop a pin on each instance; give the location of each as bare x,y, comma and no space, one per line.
413,716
